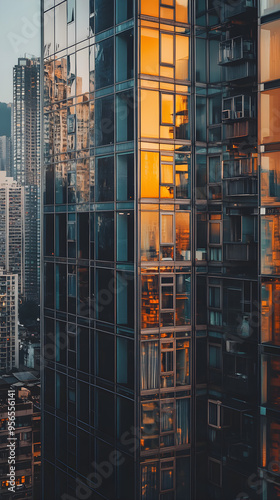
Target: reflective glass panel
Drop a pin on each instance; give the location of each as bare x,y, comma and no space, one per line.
105,179
183,299
149,51
183,236
167,49
182,11
150,301
60,27
270,244
105,236
104,121
270,326
182,175
149,170
149,365
104,69
149,122
269,6
182,58
270,178
167,109
82,81
269,123
270,51
149,236
149,8
82,20
182,114
104,14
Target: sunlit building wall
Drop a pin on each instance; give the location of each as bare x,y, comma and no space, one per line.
269,149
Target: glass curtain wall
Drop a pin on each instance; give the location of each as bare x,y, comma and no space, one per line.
269,149
89,220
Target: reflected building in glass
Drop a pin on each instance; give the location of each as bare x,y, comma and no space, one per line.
150,279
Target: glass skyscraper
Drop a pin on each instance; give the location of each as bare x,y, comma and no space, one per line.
152,272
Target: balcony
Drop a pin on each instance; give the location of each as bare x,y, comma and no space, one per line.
241,71
236,50
239,107
237,8
241,252
240,167
241,187
238,114
241,130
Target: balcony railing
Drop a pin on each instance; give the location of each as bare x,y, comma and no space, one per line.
240,167
235,50
243,70
241,129
238,107
241,252
242,187
232,9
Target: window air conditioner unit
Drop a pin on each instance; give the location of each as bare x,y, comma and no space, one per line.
231,346
227,114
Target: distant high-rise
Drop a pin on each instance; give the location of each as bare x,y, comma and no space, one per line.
9,353
26,160
5,119
6,160
12,228
161,234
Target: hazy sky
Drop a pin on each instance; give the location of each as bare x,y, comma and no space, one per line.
19,34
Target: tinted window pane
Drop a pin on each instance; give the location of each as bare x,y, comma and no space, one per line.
104,121
104,12
104,67
105,179
105,236
105,295
105,356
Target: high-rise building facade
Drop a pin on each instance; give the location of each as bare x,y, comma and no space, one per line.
9,354
27,443
160,238
26,162
12,228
